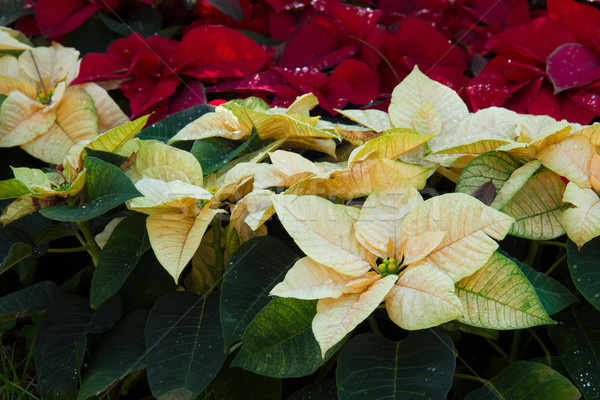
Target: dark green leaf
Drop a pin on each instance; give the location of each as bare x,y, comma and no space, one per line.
12,10
213,153
238,384
145,21
61,343
253,270
325,390
17,252
120,352
419,367
17,240
553,363
526,380
577,338
552,294
107,187
231,8
111,158
118,258
279,342
585,269
147,282
91,37
29,300
53,232
166,128
114,25
185,346
71,285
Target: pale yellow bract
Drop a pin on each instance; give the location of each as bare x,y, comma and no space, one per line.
433,244
43,113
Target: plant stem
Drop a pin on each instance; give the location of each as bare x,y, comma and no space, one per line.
556,264
541,343
446,173
552,243
516,343
89,241
496,347
374,325
471,378
69,250
216,244
533,248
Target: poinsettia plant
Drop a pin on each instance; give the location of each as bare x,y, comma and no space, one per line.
367,210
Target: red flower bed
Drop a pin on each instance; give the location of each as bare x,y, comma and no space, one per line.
492,53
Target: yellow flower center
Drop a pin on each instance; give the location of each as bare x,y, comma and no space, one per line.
389,266
44,96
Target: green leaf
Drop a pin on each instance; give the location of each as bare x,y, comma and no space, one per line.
53,232
236,383
12,10
17,252
253,270
584,265
526,380
231,8
325,390
499,296
107,187
576,337
11,188
214,153
279,341
148,282
496,166
166,128
120,352
418,367
111,158
29,300
185,345
145,21
17,240
552,294
61,343
118,258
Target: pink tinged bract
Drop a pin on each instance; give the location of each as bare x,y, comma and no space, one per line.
58,17
537,38
572,65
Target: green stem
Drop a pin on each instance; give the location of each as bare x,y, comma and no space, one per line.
542,345
234,347
471,378
93,248
516,343
552,243
533,248
556,264
69,250
374,325
496,347
216,244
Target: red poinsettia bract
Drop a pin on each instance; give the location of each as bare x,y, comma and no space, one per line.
164,75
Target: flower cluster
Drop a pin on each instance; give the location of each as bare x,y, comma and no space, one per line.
541,62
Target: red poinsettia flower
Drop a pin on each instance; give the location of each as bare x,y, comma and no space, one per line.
160,75
58,17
